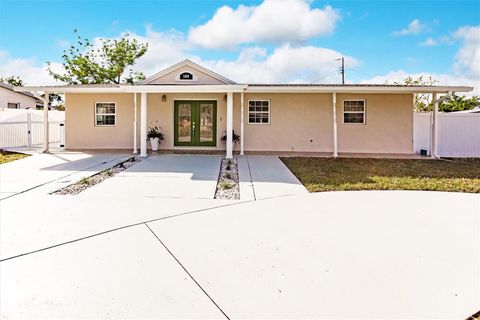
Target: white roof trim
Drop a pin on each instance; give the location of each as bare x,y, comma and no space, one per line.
207,88
187,63
357,89
223,88
243,87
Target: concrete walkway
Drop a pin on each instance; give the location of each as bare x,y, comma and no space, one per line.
264,177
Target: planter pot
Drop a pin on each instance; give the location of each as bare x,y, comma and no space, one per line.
155,143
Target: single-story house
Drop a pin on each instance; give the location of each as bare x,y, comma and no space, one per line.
196,107
12,99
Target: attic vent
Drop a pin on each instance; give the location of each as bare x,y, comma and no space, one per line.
186,76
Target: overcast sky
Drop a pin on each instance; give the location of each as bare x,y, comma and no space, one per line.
273,41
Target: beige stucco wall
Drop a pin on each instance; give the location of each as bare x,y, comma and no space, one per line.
80,129
388,127
299,122
8,96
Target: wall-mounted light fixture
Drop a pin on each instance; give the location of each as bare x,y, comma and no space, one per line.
225,97
164,98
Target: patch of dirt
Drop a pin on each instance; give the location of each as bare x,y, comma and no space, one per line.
228,187
88,182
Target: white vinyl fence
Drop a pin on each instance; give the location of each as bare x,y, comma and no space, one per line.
20,128
458,136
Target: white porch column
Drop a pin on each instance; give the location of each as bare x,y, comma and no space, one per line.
135,148
335,147
45,122
434,147
230,125
143,125
242,131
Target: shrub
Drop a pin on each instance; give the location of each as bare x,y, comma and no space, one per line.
224,185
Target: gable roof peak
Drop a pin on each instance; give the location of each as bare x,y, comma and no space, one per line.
191,64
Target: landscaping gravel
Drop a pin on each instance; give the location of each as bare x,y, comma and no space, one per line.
228,186
88,182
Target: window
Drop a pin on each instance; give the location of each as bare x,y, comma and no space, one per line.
259,111
105,114
354,111
11,105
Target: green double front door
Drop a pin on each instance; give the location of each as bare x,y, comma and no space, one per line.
195,123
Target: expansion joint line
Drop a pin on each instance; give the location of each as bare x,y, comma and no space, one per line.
251,179
189,274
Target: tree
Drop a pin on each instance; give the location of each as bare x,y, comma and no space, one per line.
13,81
458,103
421,101
111,62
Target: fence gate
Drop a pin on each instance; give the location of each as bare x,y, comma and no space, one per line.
24,128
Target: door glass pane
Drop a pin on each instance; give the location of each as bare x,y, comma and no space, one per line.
184,122
206,122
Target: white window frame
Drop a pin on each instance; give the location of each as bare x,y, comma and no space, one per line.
105,114
16,103
364,112
269,111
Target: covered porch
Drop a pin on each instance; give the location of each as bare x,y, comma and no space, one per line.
233,101
188,96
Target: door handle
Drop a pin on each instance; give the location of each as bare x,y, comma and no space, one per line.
193,128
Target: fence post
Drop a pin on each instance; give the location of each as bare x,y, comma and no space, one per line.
29,129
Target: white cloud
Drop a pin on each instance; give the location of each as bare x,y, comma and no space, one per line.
286,64
29,70
414,27
430,42
164,50
466,64
467,59
272,21
253,64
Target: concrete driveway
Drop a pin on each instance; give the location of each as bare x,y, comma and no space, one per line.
104,254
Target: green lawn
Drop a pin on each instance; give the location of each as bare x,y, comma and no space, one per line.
6,156
329,174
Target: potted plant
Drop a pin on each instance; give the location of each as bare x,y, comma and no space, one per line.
156,136
235,137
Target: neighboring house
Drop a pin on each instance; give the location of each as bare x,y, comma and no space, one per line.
195,107
17,100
